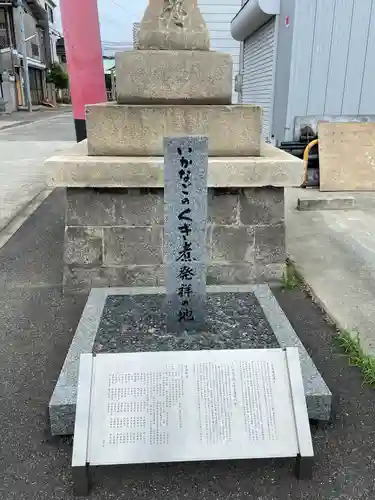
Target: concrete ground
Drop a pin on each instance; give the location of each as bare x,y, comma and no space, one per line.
23,149
36,327
39,113
335,252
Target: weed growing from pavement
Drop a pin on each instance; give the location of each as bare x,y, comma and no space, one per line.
291,278
351,345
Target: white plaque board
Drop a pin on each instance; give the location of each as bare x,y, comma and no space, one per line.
195,405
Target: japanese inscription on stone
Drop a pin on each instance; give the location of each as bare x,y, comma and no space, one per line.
185,198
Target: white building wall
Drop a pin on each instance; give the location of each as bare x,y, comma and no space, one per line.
218,15
333,63
259,72
53,30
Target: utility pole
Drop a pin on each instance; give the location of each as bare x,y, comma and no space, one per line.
24,54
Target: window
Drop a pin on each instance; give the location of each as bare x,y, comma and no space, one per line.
49,13
35,50
4,40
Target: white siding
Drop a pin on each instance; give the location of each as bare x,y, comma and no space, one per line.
258,72
333,63
218,15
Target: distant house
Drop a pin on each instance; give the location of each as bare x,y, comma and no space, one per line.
109,65
136,27
54,31
38,47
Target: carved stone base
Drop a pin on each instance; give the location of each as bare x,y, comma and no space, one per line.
173,77
139,130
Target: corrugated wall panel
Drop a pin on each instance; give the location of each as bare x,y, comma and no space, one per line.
356,57
333,63
324,16
303,37
259,67
218,15
339,53
367,101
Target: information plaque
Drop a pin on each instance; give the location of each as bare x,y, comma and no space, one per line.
183,406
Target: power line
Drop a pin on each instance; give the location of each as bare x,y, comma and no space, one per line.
120,42
112,21
124,8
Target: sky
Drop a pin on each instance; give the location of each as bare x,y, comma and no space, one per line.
116,21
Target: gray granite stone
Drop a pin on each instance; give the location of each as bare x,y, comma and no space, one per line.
318,396
135,324
83,245
64,397
232,244
83,279
114,207
223,206
269,273
333,203
62,416
231,274
132,245
91,207
270,244
262,206
185,253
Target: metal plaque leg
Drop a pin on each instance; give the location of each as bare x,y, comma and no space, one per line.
305,458
303,467
80,460
81,481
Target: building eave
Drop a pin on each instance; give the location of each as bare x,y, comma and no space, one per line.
253,14
37,10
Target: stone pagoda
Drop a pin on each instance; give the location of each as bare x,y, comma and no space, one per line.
172,85
115,236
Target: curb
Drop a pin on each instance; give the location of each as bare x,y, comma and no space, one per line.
13,125
342,203
21,216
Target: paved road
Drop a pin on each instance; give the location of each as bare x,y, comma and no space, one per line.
36,327
23,150
335,252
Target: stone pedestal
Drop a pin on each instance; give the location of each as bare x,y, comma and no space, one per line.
173,77
173,86
114,237
137,130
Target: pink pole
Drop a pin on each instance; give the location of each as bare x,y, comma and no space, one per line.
80,21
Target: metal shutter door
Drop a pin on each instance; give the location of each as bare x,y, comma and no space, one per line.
258,72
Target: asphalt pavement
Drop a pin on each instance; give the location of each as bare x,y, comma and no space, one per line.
334,250
23,149
36,326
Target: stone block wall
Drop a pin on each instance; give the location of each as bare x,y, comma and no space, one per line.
114,237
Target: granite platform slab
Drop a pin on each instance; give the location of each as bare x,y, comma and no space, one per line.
132,320
74,168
